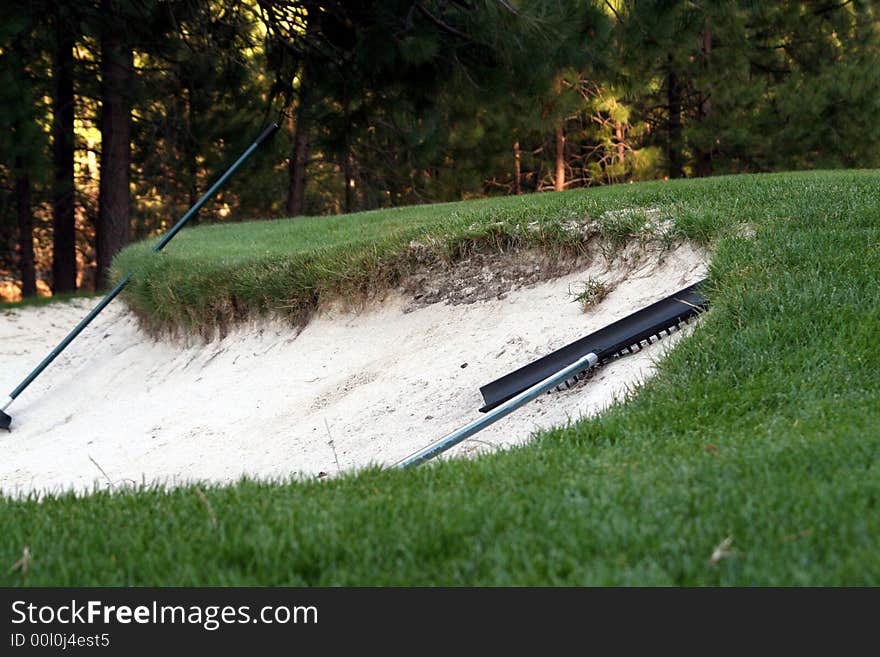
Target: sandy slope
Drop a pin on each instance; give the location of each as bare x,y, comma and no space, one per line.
266,401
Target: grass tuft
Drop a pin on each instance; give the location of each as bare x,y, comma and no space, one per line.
592,292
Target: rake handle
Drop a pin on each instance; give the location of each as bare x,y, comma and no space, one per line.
167,237
112,294
452,439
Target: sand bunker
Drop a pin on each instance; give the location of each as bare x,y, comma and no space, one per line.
350,389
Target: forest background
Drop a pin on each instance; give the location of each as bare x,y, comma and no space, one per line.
118,114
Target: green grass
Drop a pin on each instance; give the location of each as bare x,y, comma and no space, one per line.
213,275
761,428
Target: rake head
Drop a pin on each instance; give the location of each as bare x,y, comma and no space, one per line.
619,338
5,421
613,353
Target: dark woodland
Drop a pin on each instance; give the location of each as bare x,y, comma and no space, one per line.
118,113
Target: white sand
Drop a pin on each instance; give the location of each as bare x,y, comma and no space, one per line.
266,401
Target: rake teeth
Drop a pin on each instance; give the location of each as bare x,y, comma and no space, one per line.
5,421
573,381
625,351
644,344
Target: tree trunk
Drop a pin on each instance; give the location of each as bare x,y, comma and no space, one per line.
296,167
673,125
517,172
350,194
538,175
63,222
704,155
559,181
114,214
192,142
25,233
620,136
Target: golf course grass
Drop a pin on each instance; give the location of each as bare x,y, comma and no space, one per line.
752,458
217,274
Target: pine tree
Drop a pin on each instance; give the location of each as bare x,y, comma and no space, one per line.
65,25
23,145
113,230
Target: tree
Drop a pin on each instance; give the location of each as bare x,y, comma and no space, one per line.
401,101
26,263
23,145
200,93
400,82
113,230
64,269
295,64
818,62
559,178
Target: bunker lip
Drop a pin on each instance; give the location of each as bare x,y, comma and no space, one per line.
348,390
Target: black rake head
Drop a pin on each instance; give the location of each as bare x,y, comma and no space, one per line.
5,421
619,338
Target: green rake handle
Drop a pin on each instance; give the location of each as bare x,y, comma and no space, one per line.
4,419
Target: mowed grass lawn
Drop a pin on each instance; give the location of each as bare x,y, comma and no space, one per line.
761,432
